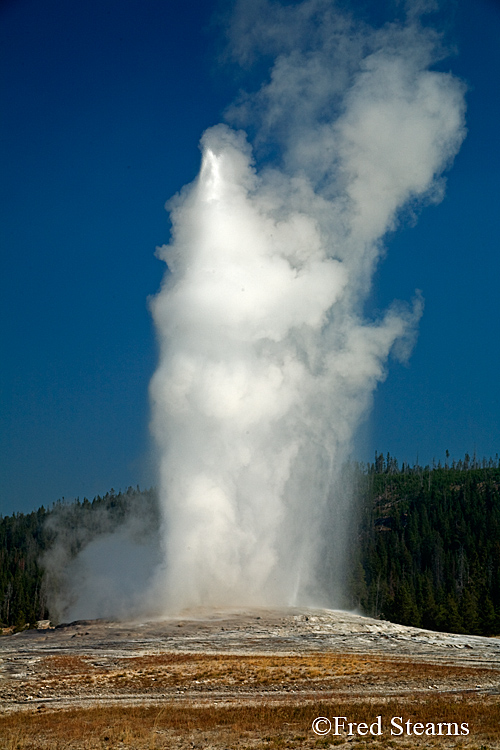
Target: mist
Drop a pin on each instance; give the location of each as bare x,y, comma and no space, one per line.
268,363
268,360
101,556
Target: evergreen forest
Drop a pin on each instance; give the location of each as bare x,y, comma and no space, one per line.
429,545
427,551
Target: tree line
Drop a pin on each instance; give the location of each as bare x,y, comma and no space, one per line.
427,548
22,596
428,551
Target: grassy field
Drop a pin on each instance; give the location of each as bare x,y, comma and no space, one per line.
170,673
239,726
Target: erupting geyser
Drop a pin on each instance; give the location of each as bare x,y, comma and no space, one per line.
267,363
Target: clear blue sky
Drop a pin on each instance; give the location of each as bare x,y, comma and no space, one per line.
103,105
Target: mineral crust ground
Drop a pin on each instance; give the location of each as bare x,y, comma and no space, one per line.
245,679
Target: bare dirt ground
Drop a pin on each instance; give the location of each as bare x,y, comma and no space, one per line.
250,679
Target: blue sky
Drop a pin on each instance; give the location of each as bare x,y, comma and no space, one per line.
103,107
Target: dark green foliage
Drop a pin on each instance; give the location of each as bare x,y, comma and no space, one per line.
430,545
22,597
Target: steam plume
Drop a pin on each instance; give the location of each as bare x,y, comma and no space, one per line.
267,363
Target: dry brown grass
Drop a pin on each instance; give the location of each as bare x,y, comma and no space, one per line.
261,725
184,701
215,671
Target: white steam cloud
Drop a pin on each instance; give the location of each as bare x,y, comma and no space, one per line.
267,360
267,364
